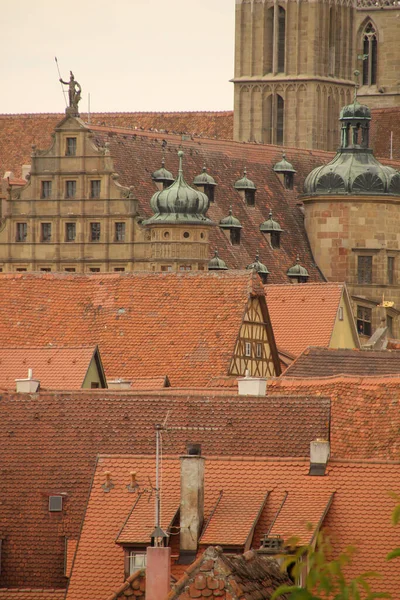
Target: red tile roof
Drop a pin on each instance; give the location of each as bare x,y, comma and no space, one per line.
31,594
56,368
301,516
303,315
74,427
365,418
149,383
330,361
159,322
360,497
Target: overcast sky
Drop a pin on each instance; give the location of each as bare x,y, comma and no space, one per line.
130,55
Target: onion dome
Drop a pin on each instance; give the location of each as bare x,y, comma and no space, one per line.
162,175
179,203
283,166
298,272
270,226
204,178
244,183
258,266
230,222
354,170
216,263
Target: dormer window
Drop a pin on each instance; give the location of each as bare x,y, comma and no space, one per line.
137,561
288,181
247,189
235,237
209,192
205,183
275,239
272,229
70,149
231,226
250,197
285,171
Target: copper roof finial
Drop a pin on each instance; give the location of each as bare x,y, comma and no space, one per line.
230,210
204,168
356,84
181,154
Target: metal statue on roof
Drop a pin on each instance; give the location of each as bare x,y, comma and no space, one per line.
74,92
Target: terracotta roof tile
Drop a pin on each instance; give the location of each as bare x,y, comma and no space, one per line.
360,497
303,315
31,594
329,361
169,332
301,516
149,383
74,427
56,368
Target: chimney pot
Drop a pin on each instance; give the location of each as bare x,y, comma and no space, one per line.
28,385
252,386
319,456
158,573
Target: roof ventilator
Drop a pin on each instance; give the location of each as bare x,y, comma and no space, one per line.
28,385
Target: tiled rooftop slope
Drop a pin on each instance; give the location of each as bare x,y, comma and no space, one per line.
359,514
146,325
330,362
49,443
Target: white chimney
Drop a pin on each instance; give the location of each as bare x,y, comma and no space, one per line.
252,386
119,384
319,456
28,385
192,503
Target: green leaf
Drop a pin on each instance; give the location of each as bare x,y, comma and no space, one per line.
393,554
396,515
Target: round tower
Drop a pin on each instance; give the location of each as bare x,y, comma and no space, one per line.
179,227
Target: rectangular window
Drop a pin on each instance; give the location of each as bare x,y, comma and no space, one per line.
46,269
22,232
364,269
21,270
389,324
247,348
70,269
95,188
94,232
119,269
340,313
70,189
94,385
119,232
166,268
185,268
390,269
70,232
94,269
259,350
46,232
55,503
70,149
364,320
46,189
137,561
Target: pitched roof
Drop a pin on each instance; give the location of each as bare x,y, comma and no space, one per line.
246,577
149,383
365,417
181,325
360,496
56,368
329,361
50,440
31,594
303,315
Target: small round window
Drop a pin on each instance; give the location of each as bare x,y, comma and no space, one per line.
186,234
166,234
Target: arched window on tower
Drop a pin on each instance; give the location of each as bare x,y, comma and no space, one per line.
370,49
280,110
274,36
281,39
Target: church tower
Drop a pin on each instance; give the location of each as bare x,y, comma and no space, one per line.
293,70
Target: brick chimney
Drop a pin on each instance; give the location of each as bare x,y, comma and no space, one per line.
158,573
28,385
319,456
192,503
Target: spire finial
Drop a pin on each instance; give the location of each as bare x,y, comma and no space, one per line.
163,161
230,209
270,213
245,172
204,168
298,258
356,84
283,155
257,256
216,253
181,154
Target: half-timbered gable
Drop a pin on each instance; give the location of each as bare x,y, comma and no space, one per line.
255,349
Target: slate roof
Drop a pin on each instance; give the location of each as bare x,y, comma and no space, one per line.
50,440
330,361
360,497
244,577
365,417
56,368
303,315
146,325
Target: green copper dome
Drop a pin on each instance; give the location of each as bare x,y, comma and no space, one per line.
270,225
216,263
284,166
230,222
244,183
297,271
258,266
354,170
204,178
179,203
162,174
